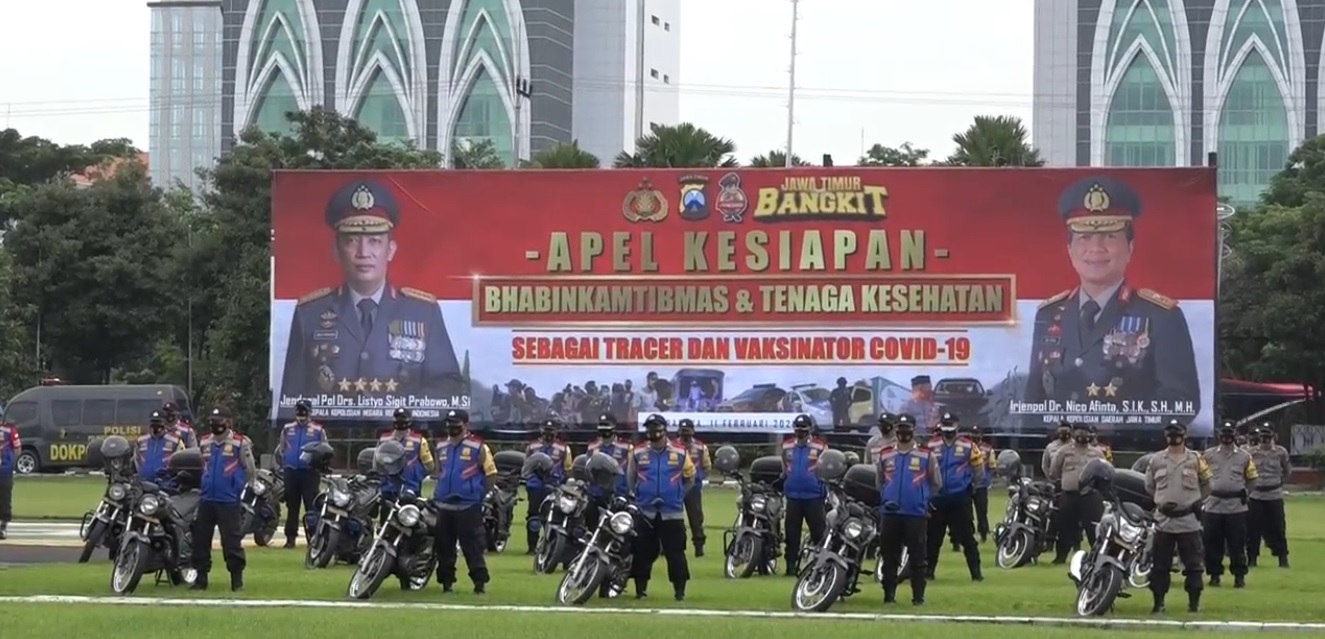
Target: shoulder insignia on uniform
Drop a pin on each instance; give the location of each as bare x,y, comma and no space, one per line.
1158,299
417,294
1056,299
316,295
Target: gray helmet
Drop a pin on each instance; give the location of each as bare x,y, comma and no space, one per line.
1009,463
1142,463
319,454
1097,474
832,465
578,468
115,447
537,465
364,462
726,459
603,469
389,458
852,457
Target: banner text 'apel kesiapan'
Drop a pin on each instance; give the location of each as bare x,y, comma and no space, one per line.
1011,297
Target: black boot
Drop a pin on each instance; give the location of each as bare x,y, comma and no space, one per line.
199,582
1194,601
533,542
1283,561
890,596
699,548
4,530
641,589
1239,581
1158,608
679,590
1215,581
236,581
289,541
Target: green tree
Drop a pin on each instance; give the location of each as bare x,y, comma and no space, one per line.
1303,175
776,159
1000,140
91,264
905,155
230,264
567,155
681,146
476,154
29,161
18,367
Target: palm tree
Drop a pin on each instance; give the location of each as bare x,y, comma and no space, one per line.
998,140
774,159
476,154
681,146
567,155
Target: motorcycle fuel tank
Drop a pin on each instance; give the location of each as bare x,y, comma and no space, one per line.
861,483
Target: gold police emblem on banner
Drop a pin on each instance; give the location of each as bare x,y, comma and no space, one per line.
732,201
1097,200
644,204
363,199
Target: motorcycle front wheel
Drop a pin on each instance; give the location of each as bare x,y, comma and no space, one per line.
265,529
547,555
369,574
321,547
818,588
1015,550
129,567
581,582
1138,575
424,567
95,533
743,557
1098,592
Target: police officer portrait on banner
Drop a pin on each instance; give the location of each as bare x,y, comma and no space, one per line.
366,336
1104,340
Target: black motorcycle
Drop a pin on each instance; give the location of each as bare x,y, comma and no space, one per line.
562,514
831,571
158,537
102,527
499,504
261,500
1023,535
403,543
754,541
340,525
603,564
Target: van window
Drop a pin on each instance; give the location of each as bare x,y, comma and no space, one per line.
21,413
99,412
860,395
67,412
135,412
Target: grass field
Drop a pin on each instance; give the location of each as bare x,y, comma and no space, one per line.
1273,594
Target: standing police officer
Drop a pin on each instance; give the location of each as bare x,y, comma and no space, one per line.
465,475
959,460
1078,511
302,481
803,490
983,483
1225,516
1266,513
660,474
908,476
699,456
182,429
1062,438
227,467
1179,480
154,448
10,448
884,439
614,445
418,460
538,487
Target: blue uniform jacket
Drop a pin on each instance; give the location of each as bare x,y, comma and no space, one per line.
905,479
560,454
958,463
417,457
800,481
660,478
153,453
619,450
293,438
462,471
225,467
9,448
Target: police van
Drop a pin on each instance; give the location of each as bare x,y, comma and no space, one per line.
56,423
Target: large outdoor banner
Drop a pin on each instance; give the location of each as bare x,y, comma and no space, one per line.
738,298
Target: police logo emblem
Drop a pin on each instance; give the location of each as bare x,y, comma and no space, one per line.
644,204
328,319
363,199
732,202
694,200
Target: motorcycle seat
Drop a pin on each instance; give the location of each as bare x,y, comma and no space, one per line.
185,504
151,487
1135,514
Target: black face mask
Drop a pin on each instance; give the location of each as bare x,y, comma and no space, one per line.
1082,439
605,433
905,435
656,435
401,425
158,429
1267,440
548,436
1226,439
802,433
1064,435
218,428
301,417
687,436
454,429
886,429
1176,439
948,434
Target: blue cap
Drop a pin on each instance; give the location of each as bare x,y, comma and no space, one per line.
1099,205
919,379
363,208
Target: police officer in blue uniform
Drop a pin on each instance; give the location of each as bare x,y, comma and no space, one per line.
419,462
908,478
367,336
465,475
660,474
614,445
227,467
10,448
154,448
538,487
804,491
959,460
302,481
1105,340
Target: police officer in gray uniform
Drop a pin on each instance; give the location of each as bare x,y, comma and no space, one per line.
1178,480
1225,516
1265,516
1061,438
367,336
885,438
1078,511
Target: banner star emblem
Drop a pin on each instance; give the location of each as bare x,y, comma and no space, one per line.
361,384
391,385
375,386
344,385
1111,390
1093,390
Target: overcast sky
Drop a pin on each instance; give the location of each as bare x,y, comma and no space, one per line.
886,71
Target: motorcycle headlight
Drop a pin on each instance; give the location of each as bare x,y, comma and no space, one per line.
149,505
340,498
758,504
567,504
408,515
259,487
1129,533
1033,506
117,492
621,523
853,529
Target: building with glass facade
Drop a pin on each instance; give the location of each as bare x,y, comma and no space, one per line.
184,116
1165,82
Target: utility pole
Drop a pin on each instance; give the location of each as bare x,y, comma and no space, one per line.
641,19
523,91
791,84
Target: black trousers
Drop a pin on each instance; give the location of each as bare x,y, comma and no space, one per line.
301,487
665,537
1078,513
533,516
895,533
1265,520
981,501
1188,548
6,496
1225,534
225,518
952,513
808,512
695,517
466,527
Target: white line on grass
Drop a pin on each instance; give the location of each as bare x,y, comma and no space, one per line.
1105,622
